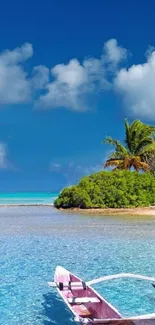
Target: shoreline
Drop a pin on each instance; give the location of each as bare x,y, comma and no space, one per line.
145,211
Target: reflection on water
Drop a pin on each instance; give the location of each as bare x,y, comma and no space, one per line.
54,310
33,241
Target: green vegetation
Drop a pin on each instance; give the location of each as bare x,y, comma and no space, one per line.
120,188
139,148
117,189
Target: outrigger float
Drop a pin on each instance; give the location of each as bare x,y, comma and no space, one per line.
88,306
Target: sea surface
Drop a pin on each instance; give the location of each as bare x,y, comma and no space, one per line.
27,198
34,240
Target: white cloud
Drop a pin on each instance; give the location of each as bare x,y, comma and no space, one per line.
70,85
113,53
73,85
72,74
137,85
74,82
40,77
3,156
16,86
18,55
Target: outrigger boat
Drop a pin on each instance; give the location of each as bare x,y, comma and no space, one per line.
88,306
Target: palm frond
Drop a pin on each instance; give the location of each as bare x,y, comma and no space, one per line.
135,127
112,162
150,160
137,164
127,134
118,146
149,149
138,132
117,155
144,166
142,144
119,167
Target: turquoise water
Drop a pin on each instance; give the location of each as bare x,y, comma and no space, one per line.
34,240
27,198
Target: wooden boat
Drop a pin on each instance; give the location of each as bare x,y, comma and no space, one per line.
88,306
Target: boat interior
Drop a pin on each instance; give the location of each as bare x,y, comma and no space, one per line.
85,302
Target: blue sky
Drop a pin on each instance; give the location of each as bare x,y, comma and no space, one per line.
70,72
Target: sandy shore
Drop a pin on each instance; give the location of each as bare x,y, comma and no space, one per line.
147,211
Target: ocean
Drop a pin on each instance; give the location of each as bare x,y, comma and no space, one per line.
27,198
34,240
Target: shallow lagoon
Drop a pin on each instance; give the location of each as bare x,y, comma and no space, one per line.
33,240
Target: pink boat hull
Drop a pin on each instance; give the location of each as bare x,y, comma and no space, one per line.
87,305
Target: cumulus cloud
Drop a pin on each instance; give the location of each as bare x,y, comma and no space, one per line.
113,53
136,85
40,77
67,90
70,85
74,82
16,85
18,55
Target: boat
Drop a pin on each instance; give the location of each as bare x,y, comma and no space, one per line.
88,306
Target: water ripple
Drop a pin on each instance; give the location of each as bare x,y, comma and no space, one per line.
34,240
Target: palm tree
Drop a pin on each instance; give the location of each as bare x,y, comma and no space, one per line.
151,162
139,147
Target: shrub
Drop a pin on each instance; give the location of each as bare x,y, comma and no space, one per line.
73,197
116,189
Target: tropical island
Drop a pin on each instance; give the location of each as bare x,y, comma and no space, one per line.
128,187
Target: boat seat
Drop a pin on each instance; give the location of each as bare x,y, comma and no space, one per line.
81,310
82,300
72,285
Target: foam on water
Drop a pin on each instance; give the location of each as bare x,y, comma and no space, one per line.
33,241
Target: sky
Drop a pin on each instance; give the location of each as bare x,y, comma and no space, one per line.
70,73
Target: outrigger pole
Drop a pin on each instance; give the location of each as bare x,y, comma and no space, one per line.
110,277
121,275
